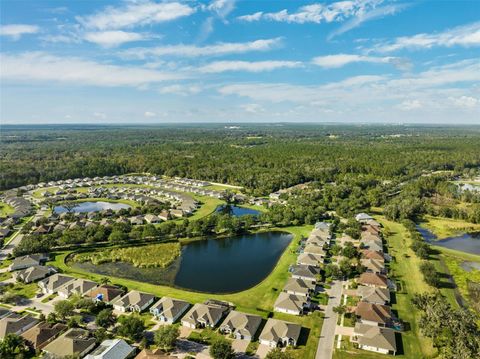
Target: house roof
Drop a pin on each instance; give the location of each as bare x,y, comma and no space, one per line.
14,322
373,279
112,349
290,302
374,336
134,297
78,285
374,265
305,271
170,307
373,312
153,354
203,313
298,285
310,259
245,324
40,334
314,249
370,254
275,330
74,341
107,292
28,260
33,273
373,295
55,281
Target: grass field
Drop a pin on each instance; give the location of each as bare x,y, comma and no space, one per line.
6,209
446,227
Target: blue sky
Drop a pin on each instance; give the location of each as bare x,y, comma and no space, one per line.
140,61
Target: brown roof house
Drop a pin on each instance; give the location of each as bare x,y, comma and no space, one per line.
153,354
279,333
291,304
374,265
169,310
105,293
75,342
374,314
373,280
41,334
241,325
373,295
369,254
202,316
299,287
134,301
375,339
16,324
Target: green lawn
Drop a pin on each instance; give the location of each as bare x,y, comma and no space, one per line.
405,269
25,290
446,227
6,209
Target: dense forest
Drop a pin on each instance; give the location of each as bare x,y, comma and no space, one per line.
262,158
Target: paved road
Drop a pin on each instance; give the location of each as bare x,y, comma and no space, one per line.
327,336
8,249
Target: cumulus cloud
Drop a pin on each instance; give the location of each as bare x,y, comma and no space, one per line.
113,38
465,102
340,60
149,114
135,13
409,105
181,89
253,108
219,49
249,66
16,31
466,36
39,66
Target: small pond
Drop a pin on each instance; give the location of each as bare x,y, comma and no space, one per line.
236,210
92,207
213,265
467,242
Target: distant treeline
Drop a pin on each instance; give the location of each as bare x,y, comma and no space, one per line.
263,159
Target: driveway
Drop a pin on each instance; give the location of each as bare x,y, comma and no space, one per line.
327,336
185,347
347,331
240,346
263,350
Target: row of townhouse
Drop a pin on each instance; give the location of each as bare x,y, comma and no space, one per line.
295,296
376,326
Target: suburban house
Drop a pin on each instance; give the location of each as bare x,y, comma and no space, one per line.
41,334
279,333
169,310
375,339
363,217
153,354
29,260
291,304
164,215
309,259
203,316
53,283
32,274
151,218
136,221
309,273
134,301
241,325
374,265
373,314
16,324
314,249
176,213
78,286
299,287
75,342
373,295
368,254
373,280
112,349
105,293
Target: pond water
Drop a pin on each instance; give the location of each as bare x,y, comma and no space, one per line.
467,242
213,265
236,210
92,207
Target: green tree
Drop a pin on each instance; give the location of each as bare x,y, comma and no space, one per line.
131,327
13,347
63,308
222,349
278,354
105,318
166,337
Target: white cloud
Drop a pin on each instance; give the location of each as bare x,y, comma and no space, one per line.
340,60
466,35
253,108
250,66
317,12
222,7
182,90
100,115
39,66
409,105
135,13
363,16
218,49
149,114
113,38
15,31
465,102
